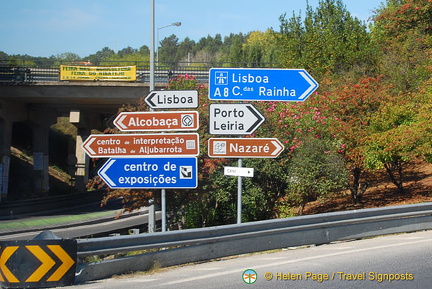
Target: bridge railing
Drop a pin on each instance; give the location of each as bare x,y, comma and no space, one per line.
23,72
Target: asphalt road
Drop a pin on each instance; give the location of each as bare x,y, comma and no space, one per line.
397,261
74,222
103,226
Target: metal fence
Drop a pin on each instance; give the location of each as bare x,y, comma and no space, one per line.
180,247
22,72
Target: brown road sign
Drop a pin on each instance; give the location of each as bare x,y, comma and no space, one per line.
142,145
244,147
157,121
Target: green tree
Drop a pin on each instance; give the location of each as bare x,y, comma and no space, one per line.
3,55
144,51
185,50
351,107
236,52
167,52
328,40
400,133
316,171
127,51
68,57
102,55
402,29
259,49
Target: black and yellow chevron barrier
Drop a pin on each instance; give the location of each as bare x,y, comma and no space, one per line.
37,263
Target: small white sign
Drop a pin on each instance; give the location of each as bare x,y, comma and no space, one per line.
239,172
234,119
172,99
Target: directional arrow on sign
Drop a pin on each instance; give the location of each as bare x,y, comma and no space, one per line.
172,99
156,173
239,172
46,263
234,119
4,270
67,262
103,173
244,147
157,121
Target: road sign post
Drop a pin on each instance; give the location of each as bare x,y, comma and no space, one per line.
244,147
234,119
150,173
255,84
260,84
172,99
157,121
239,172
142,145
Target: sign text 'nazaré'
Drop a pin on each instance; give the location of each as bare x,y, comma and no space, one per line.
244,147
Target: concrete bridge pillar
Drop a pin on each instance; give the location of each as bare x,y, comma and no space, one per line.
41,160
41,119
10,112
82,161
5,144
84,121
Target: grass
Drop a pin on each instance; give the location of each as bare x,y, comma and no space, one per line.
48,221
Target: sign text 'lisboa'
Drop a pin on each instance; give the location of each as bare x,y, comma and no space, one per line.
260,84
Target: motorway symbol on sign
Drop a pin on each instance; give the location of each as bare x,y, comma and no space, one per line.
239,172
157,121
173,99
244,147
260,84
234,119
149,173
142,145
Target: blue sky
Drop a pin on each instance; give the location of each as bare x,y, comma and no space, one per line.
52,27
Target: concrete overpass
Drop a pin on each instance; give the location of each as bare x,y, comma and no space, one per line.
39,104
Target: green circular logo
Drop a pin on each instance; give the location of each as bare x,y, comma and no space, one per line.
249,276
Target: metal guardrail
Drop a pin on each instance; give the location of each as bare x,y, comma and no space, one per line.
185,246
51,74
24,73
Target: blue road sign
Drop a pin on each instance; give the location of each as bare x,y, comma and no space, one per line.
260,84
150,173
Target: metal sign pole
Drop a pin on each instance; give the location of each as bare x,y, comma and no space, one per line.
163,208
152,87
152,44
239,194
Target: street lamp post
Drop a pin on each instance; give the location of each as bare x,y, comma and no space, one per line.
152,43
152,84
163,191
157,42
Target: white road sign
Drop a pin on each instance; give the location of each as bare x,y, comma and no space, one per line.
172,99
234,118
239,172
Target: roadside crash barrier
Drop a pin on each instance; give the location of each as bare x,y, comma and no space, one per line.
45,261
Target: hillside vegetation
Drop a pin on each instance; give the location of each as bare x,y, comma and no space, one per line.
369,123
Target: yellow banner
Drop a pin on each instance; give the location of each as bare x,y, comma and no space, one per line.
107,73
